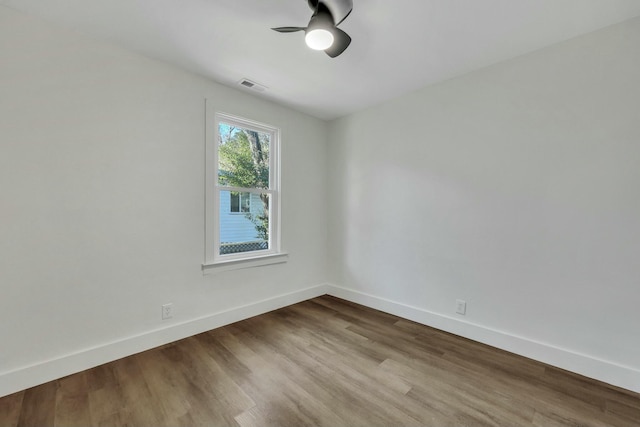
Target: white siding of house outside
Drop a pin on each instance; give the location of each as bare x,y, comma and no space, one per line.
235,227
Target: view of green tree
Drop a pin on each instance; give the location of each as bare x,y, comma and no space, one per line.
244,162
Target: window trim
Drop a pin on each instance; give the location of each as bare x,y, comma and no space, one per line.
274,254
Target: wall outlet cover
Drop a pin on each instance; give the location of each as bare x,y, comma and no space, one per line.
167,311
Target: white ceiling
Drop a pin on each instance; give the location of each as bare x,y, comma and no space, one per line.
398,45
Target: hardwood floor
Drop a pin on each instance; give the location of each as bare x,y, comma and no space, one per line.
323,362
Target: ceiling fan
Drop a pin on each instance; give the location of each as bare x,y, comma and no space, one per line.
323,33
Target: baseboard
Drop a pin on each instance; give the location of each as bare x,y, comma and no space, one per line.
602,370
29,376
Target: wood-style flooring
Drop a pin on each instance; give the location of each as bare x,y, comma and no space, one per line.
323,362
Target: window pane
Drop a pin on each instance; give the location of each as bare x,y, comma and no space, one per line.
239,202
234,201
245,202
243,157
247,232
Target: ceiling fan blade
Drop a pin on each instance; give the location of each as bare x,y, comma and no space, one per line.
339,9
345,17
341,41
313,4
288,29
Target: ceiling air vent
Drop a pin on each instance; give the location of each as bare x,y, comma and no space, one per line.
252,85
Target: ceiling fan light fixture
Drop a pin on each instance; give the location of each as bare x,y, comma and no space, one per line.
319,39
322,32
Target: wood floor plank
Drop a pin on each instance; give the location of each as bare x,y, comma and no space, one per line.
169,388
105,402
630,410
72,410
39,406
323,362
10,407
275,378
72,402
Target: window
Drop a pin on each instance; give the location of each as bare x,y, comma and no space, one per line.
242,199
239,202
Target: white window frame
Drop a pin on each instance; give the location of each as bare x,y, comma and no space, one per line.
272,255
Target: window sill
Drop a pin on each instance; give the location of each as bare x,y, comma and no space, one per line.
237,264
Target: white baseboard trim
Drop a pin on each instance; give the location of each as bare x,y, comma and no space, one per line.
602,370
39,373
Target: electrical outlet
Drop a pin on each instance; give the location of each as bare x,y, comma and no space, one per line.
461,307
167,311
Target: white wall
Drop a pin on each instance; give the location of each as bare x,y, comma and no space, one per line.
515,188
102,204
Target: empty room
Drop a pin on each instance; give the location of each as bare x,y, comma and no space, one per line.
319,213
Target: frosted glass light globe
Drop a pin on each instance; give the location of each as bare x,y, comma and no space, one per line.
319,39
